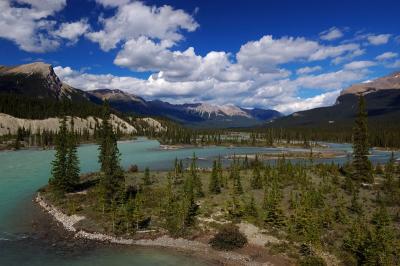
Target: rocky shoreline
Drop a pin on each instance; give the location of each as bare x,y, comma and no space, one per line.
196,248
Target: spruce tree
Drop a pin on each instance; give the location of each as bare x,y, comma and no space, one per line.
256,180
197,184
146,177
222,180
214,185
171,210
112,177
72,161
251,209
235,176
58,171
189,205
361,163
273,213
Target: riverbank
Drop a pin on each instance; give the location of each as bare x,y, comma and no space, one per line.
198,248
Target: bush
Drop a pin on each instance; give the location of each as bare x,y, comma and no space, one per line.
133,168
312,261
229,237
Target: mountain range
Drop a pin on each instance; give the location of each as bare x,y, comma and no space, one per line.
192,114
39,81
382,97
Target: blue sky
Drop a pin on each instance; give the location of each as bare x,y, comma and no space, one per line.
286,55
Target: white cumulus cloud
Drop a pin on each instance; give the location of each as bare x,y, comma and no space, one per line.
306,70
378,39
331,34
136,19
359,65
386,56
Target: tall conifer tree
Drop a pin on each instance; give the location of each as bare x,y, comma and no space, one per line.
72,161
214,185
112,177
58,171
361,163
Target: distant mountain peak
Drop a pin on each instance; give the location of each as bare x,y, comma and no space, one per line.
36,67
116,95
388,82
223,110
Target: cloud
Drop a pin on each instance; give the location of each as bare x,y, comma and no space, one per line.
359,65
331,34
386,56
347,57
266,53
113,3
330,80
378,39
395,64
325,52
28,26
298,104
145,55
72,31
271,91
135,20
306,70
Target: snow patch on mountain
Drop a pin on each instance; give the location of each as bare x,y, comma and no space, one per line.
223,110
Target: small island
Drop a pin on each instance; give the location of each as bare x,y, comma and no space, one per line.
250,212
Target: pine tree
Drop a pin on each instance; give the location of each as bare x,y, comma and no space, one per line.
214,185
256,180
246,162
361,163
58,179
146,177
355,206
72,160
171,211
273,213
138,214
390,167
197,184
112,177
235,175
251,209
222,179
189,205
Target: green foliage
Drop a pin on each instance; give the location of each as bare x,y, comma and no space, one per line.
214,184
228,238
197,185
356,206
25,106
256,180
273,213
65,166
72,161
146,177
250,209
312,261
235,177
112,177
234,207
372,245
361,163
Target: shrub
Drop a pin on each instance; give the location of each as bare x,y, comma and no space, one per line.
229,237
312,261
133,168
